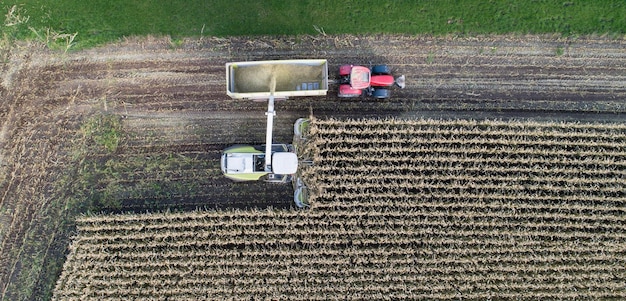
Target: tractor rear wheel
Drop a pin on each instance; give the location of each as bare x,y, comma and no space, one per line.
381,70
380,93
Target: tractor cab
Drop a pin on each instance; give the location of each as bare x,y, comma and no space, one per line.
359,76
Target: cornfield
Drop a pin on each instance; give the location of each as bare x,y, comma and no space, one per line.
400,209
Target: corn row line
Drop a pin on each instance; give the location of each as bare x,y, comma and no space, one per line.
406,204
508,128
437,231
405,292
446,146
133,263
479,137
424,186
438,215
385,284
375,274
524,251
478,157
417,177
488,125
516,166
470,213
584,206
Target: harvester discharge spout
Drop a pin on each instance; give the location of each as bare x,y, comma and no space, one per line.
270,125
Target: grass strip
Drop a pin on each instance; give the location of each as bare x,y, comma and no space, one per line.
98,22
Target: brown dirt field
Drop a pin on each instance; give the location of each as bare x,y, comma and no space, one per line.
139,125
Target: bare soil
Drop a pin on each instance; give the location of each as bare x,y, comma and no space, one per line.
174,119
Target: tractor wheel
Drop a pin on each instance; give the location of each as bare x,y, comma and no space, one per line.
381,70
344,70
381,93
347,91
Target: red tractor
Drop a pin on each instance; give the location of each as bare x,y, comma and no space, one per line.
374,82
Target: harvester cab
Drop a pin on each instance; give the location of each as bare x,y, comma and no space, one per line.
248,163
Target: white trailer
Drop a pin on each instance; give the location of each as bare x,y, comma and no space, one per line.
251,80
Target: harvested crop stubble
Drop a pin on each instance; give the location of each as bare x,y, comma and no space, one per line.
401,209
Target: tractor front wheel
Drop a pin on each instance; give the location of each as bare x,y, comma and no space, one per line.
344,70
347,91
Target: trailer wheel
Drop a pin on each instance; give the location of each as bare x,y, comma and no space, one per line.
381,93
381,70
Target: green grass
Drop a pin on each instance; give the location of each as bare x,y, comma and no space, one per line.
104,130
101,21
